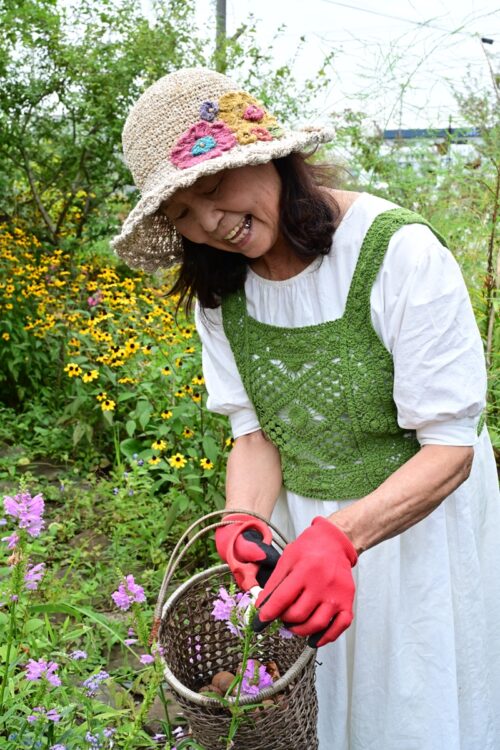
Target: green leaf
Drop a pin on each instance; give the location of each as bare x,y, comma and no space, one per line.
33,624
79,612
130,427
79,431
211,448
130,446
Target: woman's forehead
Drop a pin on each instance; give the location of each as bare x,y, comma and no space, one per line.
202,184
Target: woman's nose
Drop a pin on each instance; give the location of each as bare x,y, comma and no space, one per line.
209,216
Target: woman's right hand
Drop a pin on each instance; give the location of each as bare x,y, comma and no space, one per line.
245,545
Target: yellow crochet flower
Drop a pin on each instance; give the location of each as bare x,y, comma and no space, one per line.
246,117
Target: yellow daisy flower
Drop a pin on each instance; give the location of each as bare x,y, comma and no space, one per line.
154,460
177,461
159,445
198,380
6,336
196,397
229,442
206,464
187,432
108,405
166,371
73,370
166,414
88,377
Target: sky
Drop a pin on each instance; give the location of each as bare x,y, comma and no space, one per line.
396,60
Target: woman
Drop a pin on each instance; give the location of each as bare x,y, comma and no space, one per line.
339,338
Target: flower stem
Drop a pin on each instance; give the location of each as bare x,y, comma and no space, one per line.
235,708
12,628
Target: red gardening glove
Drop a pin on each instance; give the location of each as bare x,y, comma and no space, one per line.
312,588
245,545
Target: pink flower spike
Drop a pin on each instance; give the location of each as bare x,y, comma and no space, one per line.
37,670
146,659
33,576
11,540
127,593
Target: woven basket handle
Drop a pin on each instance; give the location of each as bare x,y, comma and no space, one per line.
183,546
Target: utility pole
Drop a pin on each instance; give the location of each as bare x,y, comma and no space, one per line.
220,36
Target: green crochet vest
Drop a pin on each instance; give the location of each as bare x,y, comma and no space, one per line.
323,393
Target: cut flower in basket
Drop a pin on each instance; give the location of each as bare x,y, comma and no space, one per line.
236,609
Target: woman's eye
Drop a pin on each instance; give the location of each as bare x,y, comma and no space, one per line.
213,190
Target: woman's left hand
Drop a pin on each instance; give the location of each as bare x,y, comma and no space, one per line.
312,587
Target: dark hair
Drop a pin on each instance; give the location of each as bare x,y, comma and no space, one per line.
307,222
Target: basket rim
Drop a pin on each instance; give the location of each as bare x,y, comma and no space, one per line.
202,700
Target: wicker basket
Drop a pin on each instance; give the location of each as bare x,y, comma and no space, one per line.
196,647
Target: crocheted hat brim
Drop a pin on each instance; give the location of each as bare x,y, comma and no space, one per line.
148,240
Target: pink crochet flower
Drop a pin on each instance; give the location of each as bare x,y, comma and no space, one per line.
253,113
262,134
204,140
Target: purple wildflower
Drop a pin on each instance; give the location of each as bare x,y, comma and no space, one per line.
92,683
37,670
223,606
146,659
40,711
28,510
34,575
128,592
285,633
11,540
255,678
3,522
78,655
58,747
232,610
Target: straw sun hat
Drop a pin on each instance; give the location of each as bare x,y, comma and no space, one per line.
192,123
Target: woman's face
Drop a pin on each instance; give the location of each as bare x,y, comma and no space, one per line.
236,210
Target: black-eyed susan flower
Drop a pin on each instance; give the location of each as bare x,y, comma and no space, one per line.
187,432
229,442
198,380
88,377
178,362
206,464
177,461
108,405
190,350
187,388
132,346
73,370
166,371
148,349
154,460
196,397
159,445
5,336
166,414
179,394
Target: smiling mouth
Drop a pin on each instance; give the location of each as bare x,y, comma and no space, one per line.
240,231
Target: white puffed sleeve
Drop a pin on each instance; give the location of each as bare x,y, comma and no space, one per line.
226,393
422,311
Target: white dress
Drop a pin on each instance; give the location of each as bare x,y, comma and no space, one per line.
419,668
